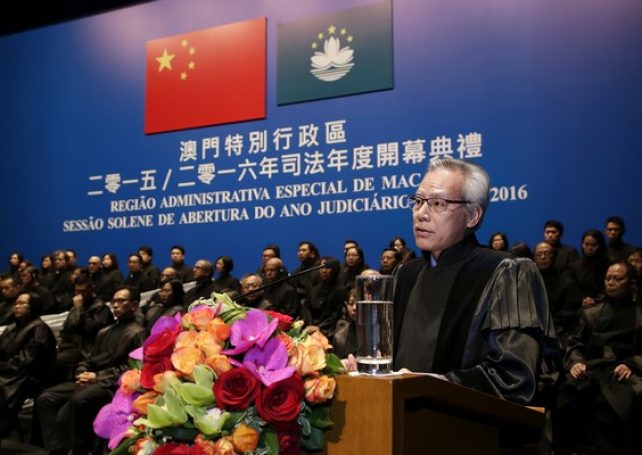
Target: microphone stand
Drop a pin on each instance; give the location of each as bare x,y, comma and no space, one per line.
281,280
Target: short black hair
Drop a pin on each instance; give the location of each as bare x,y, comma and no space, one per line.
617,220
555,224
147,249
178,247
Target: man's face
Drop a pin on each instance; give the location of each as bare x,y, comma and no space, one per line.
122,304
70,256
544,256
200,271
93,265
21,307
617,283
613,231
59,261
167,274
268,253
304,252
552,235
272,268
134,264
25,277
14,260
435,232
9,288
635,259
251,283
86,290
388,261
177,256
146,257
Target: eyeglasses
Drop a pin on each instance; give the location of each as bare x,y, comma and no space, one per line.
435,204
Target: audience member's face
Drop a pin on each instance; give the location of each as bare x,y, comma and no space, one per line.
46,263
14,260
388,261
635,259
497,243
351,306
304,252
590,246
70,256
107,262
613,231
166,293
325,273
122,304
617,284
93,265
352,257
544,256
146,257
435,232
268,253
86,290
26,278
60,262
348,245
134,264
552,235
272,268
200,271
398,245
9,288
220,266
167,274
21,308
251,283
177,256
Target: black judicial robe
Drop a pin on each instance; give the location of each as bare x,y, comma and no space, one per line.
478,317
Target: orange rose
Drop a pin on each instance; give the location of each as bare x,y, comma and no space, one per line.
162,380
130,381
219,363
223,447
143,444
316,337
308,359
186,340
219,329
199,317
140,403
319,390
207,445
207,343
185,359
287,342
245,438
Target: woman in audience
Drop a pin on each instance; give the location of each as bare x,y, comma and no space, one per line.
399,244
354,264
589,272
344,341
224,266
171,302
324,302
521,250
498,241
45,276
110,279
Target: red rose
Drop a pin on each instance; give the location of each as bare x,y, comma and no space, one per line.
281,402
289,439
235,389
152,368
178,449
285,321
161,344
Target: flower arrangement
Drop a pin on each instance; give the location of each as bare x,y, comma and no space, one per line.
223,379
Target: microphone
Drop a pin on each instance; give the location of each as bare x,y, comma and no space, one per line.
281,280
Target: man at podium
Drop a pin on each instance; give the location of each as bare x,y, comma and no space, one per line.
474,315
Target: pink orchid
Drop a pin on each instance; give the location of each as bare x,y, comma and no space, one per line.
255,329
269,364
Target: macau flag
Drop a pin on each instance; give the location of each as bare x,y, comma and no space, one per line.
206,77
333,55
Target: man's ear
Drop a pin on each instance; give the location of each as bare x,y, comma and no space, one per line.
474,217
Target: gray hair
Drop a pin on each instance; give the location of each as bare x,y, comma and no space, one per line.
476,182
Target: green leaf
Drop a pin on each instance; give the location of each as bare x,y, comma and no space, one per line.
333,365
320,417
271,441
123,447
306,428
313,441
233,420
134,364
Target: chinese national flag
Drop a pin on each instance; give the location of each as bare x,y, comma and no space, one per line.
206,77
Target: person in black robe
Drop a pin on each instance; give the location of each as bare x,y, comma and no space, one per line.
564,255
151,272
308,255
10,289
202,273
354,264
473,315
61,286
27,355
136,277
282,296
344,339
184,271
66,411
618,250
588,273
30,283
110,279
45,276
324,302
251,296
171,302
224,266
598,407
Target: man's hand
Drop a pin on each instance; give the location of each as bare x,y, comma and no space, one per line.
86,378
350,364
78,300
588,302
622,372
578,370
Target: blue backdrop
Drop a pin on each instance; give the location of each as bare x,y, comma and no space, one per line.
553,90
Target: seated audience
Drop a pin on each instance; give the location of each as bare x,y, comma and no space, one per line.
324,303
308,255
618,250
498,241
354,264
565,255
177,255
171,302
282,296
521,250
202,274
151,272
224,266
136,277
10,288
29,278
61,286
111,277
250,296
344,340
399,244
588,273
389,260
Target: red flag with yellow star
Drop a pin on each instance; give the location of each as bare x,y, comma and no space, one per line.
206,77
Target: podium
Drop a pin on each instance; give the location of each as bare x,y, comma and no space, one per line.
412,413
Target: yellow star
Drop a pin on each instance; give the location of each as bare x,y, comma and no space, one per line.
165,61
314,45
183,75
192,51
320,35
184,43
350,38
191,65
332,29
343,31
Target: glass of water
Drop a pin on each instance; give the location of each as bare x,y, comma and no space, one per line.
375,323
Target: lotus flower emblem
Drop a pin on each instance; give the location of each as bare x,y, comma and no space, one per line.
334,62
